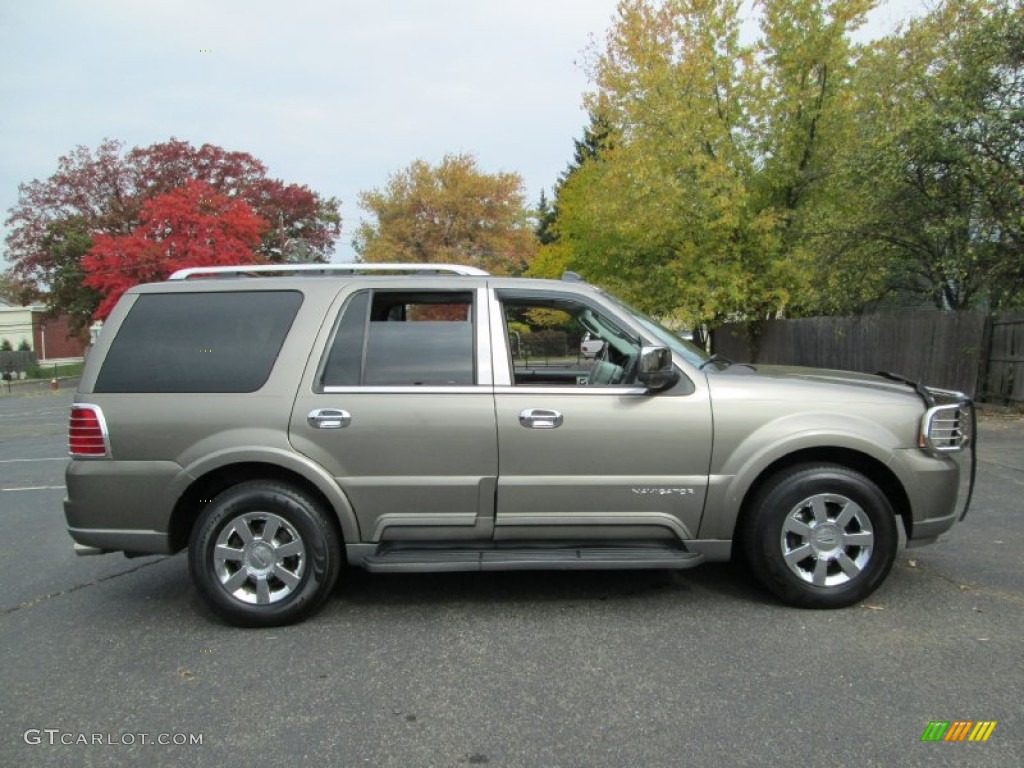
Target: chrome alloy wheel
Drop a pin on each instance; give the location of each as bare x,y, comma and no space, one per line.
827,540
259,558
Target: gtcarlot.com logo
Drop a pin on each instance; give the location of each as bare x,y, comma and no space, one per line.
55,736
958,730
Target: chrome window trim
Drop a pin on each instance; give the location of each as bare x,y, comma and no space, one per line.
581,390
481,332
477,389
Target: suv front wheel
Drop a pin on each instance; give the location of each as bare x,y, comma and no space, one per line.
820,536
264,554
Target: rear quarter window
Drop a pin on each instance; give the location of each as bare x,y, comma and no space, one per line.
199,342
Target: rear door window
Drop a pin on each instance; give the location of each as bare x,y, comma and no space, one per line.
393,338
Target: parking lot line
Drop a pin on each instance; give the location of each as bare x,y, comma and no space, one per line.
16,461
37,488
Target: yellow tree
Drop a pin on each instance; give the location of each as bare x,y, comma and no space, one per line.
721,147
451,213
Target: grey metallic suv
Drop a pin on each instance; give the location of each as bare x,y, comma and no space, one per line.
283,422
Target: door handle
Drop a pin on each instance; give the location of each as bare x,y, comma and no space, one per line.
328,418
540,418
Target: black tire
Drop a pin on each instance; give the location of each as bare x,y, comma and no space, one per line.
835,526
264,582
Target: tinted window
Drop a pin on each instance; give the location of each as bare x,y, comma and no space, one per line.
345,363
390,338
429,352
199,342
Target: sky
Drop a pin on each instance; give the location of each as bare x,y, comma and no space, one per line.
334,95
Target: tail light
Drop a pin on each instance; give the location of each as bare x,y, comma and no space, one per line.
87,433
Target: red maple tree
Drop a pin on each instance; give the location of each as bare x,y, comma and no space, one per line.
190,226
102,192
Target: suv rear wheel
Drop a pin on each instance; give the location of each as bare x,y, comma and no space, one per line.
264,554
820,536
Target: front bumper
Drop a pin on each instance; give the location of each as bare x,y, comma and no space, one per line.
937,488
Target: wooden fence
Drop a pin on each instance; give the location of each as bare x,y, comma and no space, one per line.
1003,378
943,349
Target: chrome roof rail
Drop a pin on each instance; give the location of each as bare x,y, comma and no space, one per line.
298,270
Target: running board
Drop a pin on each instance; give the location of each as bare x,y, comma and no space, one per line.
401,560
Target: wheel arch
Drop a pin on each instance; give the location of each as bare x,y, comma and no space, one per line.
873,469
207,485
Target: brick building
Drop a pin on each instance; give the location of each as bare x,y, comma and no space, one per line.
49,337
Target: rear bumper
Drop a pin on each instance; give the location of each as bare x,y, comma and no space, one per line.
99,541
120,505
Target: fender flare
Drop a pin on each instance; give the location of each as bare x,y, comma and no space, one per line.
306,468
728,488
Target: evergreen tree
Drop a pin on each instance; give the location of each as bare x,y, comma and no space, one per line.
546,215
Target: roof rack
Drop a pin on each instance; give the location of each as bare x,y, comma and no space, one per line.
255,270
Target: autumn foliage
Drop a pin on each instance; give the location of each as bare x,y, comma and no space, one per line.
101,194
190,226
449,213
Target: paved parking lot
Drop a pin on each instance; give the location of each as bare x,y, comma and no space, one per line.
537,669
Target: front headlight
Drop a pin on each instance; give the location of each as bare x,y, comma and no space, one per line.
946,428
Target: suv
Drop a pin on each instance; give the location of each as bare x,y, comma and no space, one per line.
284,421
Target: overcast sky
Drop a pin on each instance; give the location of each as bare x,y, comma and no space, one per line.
334,95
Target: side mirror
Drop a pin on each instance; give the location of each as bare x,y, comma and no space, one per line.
655,370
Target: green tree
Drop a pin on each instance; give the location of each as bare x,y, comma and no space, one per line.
66,241
803,118
453,212
598,136
698,209
546,216
936,170
553,257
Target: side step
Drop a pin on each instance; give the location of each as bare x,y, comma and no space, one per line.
409,560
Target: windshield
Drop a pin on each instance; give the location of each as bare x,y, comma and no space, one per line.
680,346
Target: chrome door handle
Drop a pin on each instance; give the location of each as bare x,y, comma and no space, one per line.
328,418
540,418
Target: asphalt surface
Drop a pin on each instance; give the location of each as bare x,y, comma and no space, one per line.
696,668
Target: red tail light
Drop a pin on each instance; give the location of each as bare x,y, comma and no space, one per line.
87,432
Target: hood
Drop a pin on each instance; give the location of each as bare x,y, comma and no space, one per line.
824,376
